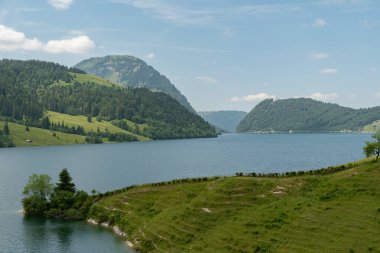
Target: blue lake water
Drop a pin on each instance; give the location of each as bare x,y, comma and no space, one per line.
110,166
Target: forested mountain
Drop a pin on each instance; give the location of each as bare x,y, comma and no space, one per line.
304,114
29,88
225,120
132,72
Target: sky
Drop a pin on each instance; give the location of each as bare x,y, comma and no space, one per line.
221,54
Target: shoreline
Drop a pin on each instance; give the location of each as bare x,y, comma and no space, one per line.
115,229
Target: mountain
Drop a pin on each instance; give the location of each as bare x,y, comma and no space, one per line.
305,114
130,71
225,120
31,90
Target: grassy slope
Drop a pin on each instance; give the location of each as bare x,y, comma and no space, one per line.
84,78
40,137
372,128
332,213
80,120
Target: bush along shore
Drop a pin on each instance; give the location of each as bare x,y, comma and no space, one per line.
61,201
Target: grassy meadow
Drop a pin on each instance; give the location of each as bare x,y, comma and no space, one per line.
80,120
40,137
372,128
338,212
87,78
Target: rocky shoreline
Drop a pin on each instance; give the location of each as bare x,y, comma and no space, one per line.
114,229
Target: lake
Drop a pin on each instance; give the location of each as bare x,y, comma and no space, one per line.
111,166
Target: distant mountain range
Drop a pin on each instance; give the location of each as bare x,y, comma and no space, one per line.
304,114
224,120
133,72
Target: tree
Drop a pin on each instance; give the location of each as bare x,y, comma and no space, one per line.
37,192
6,128
65,182
39,185
373,148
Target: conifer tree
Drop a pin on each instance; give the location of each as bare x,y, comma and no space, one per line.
65,182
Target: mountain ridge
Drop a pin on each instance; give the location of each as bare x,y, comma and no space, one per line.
130,71
304,115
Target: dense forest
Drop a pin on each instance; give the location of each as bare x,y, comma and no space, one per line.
29,88
129,71
304,114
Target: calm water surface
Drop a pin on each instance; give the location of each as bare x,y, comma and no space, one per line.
106,167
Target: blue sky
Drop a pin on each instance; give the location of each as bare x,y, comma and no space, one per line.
221,54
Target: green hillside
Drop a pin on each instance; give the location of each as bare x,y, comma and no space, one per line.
225,120
86,78
93,126
29,89
130,71
304,114
372,128
325,212
40,137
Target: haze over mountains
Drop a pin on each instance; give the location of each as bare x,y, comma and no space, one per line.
305,114
224,120
133,72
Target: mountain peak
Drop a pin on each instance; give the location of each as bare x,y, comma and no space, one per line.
130,71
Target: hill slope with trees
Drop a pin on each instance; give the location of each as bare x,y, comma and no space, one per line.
28,89
304,114
133,72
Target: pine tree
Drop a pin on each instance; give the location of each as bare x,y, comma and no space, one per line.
6,128
65,182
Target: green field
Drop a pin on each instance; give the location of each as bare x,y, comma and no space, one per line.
339,212
80,120
86,78
40,137
372,128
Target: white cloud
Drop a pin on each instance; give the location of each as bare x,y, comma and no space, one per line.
12,40
164,10
75,45
378,94
181,14
323,97
319,56
318,22
150,56
60,4
252,98
328,71
8,34
373,69
206,79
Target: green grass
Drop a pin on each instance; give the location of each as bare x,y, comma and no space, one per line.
338,212
40,137
80,120
372,128
84,78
